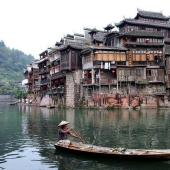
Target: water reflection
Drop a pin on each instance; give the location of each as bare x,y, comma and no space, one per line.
25,132
64,161
125,128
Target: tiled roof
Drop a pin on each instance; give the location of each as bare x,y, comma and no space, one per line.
149,14
52,49
58,43
144,44
142,22
142,33
79,35
114,32
44,53
167,49
109,27
95,47
42,60
90,29
74,46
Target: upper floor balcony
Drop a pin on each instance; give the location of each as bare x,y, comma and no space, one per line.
43,70
30,80
57,75
99,81
44,81
152,79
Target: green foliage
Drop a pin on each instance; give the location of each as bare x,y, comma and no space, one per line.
12,64
20,94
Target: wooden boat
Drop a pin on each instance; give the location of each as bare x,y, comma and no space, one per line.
27,104
50,106
120,153
14,103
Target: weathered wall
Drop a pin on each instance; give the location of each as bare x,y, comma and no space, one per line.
46,100
73,88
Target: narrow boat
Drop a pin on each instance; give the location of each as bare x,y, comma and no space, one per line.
50,107
14,103
120,153
27,104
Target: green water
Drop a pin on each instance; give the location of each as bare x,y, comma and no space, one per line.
25,133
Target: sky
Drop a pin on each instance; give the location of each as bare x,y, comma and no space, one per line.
32,26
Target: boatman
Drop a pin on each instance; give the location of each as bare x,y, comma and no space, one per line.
63,132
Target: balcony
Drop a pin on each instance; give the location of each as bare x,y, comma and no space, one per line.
43,71
57,75
56,90
126,78
30,80
168,84
44,81
102,81
87,81
155,78
141,81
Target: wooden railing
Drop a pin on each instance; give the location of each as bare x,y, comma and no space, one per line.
87,81
102,81
57,75
126,78
155,78
46,80
168,84
42,70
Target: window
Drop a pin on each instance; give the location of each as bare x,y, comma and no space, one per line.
139,72
148,72
87,59
142,28
131,28
156,58
149,29
133,72
160,40
154,40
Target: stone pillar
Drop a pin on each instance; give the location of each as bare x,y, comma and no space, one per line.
73,88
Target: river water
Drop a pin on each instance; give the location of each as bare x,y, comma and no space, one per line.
26,131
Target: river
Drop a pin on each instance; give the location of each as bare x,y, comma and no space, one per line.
25,133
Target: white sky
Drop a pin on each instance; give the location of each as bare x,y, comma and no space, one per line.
34,25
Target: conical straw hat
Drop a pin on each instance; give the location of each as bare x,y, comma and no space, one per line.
63,123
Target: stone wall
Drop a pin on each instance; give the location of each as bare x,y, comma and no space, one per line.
73,88
46,100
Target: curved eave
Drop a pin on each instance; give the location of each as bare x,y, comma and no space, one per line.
152,17
86,51
72,47
136,22
120,23
148,24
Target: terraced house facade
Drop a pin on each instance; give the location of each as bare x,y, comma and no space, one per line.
125,68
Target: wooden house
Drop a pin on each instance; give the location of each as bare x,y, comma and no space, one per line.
143,37
31,74
71,67
100,64
44,76
57,77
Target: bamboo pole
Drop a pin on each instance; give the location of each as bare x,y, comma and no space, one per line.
79,136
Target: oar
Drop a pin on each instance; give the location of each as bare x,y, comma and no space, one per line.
79,136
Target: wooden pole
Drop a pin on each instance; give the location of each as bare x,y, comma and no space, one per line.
79,136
